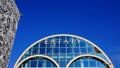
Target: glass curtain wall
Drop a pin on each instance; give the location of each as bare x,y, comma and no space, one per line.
63,49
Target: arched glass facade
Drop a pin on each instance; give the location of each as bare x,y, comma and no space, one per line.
88,62
62,49
37,62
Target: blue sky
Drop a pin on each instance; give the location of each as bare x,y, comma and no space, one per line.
95,20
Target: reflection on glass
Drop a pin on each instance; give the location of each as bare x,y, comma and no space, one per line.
63,49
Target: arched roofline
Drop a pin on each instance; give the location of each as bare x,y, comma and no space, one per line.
37,56
62,35
88,55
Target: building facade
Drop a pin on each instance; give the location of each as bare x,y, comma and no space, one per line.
9,17
63,50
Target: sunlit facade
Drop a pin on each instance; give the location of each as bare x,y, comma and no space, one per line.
63,50
9,19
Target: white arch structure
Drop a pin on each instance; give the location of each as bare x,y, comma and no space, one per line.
87,55
40,56
17,62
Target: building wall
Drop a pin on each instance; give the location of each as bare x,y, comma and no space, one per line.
63,50
9,17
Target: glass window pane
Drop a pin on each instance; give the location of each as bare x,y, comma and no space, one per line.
29,51
83,50
35,51
49,50
56,50
100,64
42,44
92,63
69,50
36,46
70,44
49,64
77,63
85,60
69,39
76,50
55,56
62,57
42,50
62,50
40,63
75,43
62,63
48,45
90,50
69,56
33,63
26,64
82,43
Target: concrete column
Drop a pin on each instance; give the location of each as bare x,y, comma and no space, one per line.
9,17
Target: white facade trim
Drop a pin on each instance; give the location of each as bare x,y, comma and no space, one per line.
34,56
88,55
63,35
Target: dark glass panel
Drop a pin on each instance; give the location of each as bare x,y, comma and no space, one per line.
62,44
71,66
83,50
28,52
62,50
40,63
33,63
89,45
62,63
69,50
91,50
69,39
49,63
62,39
77,54
76,50
40,59
100,64
42,44
82,43
78,42
49,54
42,50
36,45
85,61
25,64
92,62
62,56
35,51
77,63
53,65
26,55
48,45
56,50
49,50
69,45
55,56
57,41
75,44
69,56
57,45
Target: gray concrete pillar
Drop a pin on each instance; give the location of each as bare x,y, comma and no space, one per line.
9,17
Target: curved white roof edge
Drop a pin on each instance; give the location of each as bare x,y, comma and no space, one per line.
87,55
43,56
63,35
